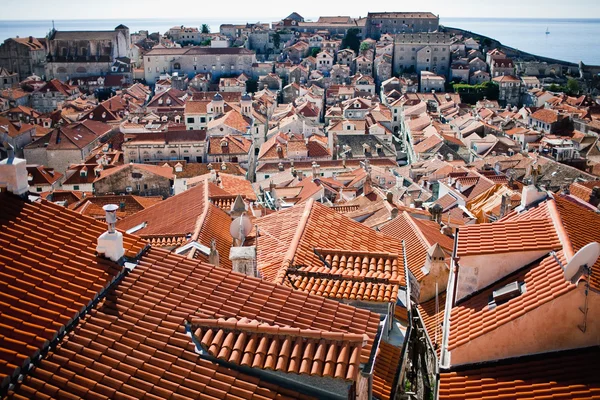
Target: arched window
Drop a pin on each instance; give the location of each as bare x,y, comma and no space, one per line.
81,70
61,70
176,66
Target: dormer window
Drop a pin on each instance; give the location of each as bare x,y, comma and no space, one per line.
506,293
160,101
168,101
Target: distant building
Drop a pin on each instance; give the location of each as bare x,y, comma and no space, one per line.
52,95
431,81
83,53
8,79
193,60
510,89
166,146
24,56
401,22
422,52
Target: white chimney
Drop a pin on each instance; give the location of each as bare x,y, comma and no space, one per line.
13,173
530,195
110,243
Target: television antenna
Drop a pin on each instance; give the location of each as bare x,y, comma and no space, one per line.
582,261
581,265
240,228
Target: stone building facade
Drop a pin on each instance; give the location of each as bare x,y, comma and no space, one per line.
136,179
166,146
423,52
379,23
85,53
231,61
24,56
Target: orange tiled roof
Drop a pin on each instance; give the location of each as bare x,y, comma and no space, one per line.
473,317
289,237
433,321
404,227
134,343
583,190
349,275
48,273
569,374
255,344
504,237
386,369
235,145
188,216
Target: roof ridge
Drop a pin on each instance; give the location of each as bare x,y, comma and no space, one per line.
201,218
561,231
418,232
255,326
289,255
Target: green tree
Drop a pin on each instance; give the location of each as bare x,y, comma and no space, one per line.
251,85
314,51
351,40
205,28
573,87
364,46
276,40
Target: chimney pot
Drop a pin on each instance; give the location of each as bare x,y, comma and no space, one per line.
110,243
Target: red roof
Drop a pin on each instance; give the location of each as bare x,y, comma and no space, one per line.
49,273
509,236
287,245
569,374
133,343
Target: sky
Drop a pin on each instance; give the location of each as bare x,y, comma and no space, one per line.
272,10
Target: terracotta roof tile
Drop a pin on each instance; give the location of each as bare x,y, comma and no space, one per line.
188,216
315,226
386,369
433,320
418,236
350,275
48,272
262,345
473,317
570,374
509,236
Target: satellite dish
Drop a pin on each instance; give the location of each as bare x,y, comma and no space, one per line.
240,228
586,256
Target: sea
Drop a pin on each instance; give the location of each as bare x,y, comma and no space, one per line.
571,40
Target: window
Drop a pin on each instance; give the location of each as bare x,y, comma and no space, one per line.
176,66
76,187
190,120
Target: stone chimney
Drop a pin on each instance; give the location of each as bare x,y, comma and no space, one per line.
243,260
435,271
213,256
110,243
13,173
504,205
238,207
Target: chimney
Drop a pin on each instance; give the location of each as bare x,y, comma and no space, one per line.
13,173
389,196
531,195
213,256
110,243
504,205
238,207
243,260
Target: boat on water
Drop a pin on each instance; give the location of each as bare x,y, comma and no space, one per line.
547,31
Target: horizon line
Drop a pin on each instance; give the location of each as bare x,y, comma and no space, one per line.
251,19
